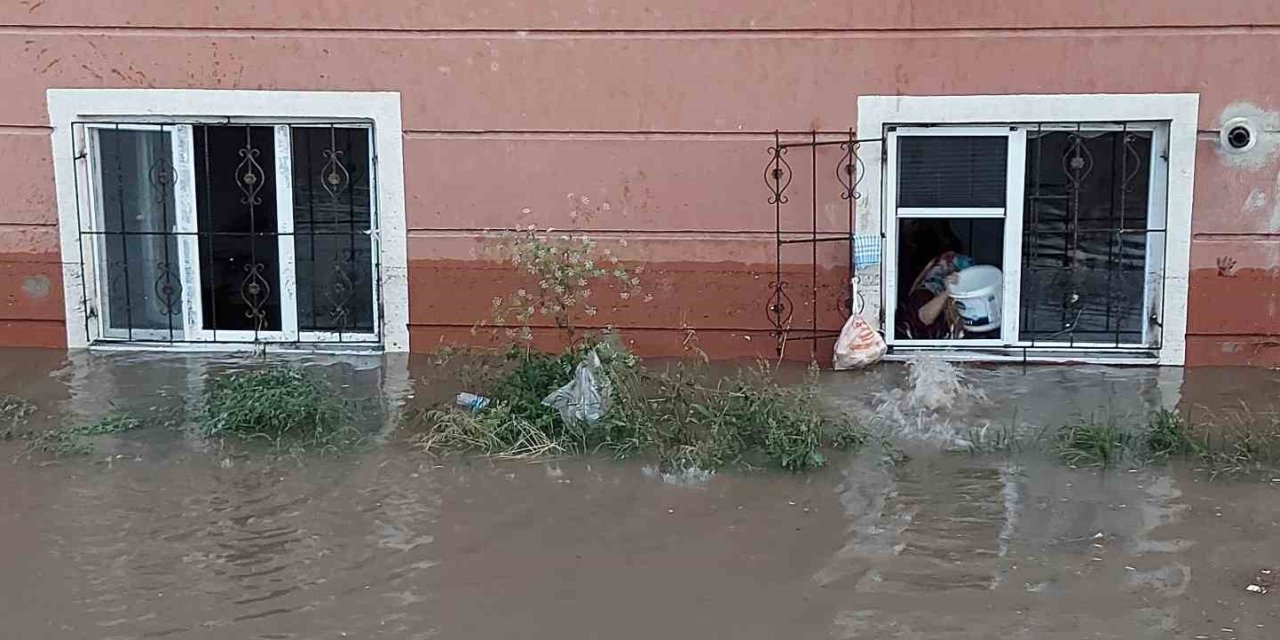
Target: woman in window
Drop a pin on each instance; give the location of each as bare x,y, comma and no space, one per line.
926,312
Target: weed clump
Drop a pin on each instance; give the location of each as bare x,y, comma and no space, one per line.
1093,444
1096,444
1236,445
497,431
78,440
679,414
1168,435
1239,443
286,407
691,420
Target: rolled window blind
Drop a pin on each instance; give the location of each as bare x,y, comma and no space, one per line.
952,171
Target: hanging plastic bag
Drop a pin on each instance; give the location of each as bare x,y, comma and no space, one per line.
586,397
858,345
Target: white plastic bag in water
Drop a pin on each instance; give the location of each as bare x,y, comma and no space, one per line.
586,397
858,346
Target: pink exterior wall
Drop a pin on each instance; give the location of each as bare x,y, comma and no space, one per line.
662,108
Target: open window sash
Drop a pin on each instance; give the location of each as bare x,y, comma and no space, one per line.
1010,213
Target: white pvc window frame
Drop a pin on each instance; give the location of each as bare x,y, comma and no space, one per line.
190,259
72,112
1171,191
96,249
1010,215
1012,229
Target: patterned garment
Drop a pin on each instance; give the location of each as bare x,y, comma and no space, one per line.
931,282
934,276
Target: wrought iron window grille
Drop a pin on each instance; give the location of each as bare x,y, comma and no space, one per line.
165,206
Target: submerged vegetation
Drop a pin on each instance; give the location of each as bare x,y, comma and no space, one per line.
78,440
1234,444
13,412
1169,435
692,420
60,441
1093,444
679,414
286,407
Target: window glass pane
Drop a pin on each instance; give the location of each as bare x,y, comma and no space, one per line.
331,218
140,253
952,171
930,250
236,215
1084,239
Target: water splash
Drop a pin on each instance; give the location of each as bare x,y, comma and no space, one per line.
932,405
691,477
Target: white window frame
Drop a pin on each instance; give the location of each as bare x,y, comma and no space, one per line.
96,219
70,109
1010,214
1177,112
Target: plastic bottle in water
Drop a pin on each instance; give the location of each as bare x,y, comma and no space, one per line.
472,401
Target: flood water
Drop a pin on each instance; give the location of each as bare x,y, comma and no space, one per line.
162,535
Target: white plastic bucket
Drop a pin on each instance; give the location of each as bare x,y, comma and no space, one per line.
976,293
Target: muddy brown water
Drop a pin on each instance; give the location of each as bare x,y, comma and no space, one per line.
162,535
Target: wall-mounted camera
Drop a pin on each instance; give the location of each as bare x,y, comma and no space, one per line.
1238,135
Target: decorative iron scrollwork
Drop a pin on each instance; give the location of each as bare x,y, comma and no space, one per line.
255,291
777,174
850,171
780,307
335,179
1077,164
1132,163
161,176
779,312
168,288
342,287
1077,161
250,176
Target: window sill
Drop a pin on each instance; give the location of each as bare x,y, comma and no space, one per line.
351,348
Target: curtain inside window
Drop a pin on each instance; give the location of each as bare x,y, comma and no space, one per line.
136,207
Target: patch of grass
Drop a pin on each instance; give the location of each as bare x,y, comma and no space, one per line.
497,431
1238,444
845,436
993,439
1168,435
285,407
690,420
1236,457
78,440
118,423
1093,444
527,377
1007,438
680,414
